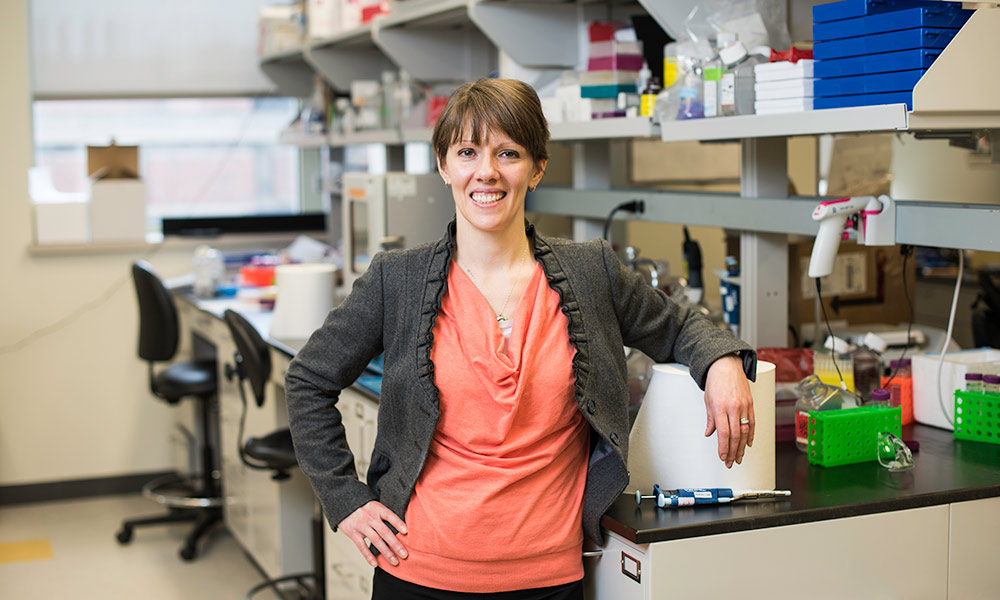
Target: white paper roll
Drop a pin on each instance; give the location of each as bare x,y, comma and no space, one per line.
667,445
305,296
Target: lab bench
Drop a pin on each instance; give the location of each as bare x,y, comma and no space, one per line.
849,531
855,530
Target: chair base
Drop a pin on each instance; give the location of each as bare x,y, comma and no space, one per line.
205,519
176,491
305,591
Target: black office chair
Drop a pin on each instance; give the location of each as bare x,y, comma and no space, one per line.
273,452
195,498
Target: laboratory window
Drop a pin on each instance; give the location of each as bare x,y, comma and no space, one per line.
199,157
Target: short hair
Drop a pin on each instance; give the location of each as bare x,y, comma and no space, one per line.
506,106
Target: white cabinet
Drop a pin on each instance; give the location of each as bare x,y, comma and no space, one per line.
898,554
974,548
348,575
271,519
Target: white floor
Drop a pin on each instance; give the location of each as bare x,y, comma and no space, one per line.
89,563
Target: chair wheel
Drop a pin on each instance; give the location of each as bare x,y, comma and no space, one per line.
188,553
125,535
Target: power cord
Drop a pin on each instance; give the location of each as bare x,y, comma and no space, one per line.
833,345
632,206
907,251
947,336
59,325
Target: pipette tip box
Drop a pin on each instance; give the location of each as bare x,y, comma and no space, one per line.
911,18
848,9
906,39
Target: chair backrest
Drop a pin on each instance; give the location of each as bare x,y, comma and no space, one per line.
158,328
254,356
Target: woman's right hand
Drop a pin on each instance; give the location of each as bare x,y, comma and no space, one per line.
369,521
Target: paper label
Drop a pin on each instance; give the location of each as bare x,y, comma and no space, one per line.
850,276
711,98
802,427
401,187
727,90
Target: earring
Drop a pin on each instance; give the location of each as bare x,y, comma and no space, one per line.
531,188
447,185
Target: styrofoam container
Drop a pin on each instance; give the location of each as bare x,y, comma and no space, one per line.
926,403
62,222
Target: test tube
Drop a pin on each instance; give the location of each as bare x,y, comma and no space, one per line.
974,382
991,384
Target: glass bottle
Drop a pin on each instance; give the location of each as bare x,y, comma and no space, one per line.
649,97
974,382
814,395
991,384
867,376
881,396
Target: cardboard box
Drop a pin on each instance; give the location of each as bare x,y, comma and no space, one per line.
117,195
62,222
866,285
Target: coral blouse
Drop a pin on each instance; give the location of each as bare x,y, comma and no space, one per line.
499,502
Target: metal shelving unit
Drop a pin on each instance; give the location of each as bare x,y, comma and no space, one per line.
436,42
289,72
348,56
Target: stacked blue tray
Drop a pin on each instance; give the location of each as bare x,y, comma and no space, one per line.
874,51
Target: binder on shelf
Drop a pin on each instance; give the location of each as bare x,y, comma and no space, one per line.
864,100
848,9
904,60
868,84
911,18
921,37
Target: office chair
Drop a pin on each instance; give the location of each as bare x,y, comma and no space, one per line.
274,451
195,498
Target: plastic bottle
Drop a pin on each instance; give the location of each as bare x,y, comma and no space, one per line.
690,95
745,80
867,373
711,74
814,395
671,72
732,56
649,97
974,382
209,269
991,384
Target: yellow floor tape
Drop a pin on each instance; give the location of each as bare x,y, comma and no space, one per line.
27,550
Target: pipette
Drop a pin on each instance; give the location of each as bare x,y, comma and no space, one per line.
695,496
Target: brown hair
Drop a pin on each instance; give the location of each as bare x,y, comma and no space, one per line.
507,106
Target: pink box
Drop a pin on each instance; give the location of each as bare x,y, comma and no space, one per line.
621,62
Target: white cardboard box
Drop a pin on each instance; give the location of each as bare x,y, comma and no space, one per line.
118,210
62,222
926,402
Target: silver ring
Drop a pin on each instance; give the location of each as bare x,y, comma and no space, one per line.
744,421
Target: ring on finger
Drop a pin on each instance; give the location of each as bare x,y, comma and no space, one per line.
744,421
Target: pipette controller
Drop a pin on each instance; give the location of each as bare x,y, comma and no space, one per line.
695,496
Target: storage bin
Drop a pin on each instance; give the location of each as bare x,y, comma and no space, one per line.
843,437
977,417
926,404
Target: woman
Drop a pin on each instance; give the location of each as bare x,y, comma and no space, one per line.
503,425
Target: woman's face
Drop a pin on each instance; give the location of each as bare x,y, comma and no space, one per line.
489,180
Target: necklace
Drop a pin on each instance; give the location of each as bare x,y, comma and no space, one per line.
500,317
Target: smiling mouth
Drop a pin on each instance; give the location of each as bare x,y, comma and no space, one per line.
487,198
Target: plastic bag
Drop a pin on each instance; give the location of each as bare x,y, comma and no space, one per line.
756,22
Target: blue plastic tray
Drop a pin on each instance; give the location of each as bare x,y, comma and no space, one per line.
907,39
865,100
905,60
901,81
848,9
946,17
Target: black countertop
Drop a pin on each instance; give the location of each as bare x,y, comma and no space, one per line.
945,470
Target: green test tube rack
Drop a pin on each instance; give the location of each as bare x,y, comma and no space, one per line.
977,417
843,437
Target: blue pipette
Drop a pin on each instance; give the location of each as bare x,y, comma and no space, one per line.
696,496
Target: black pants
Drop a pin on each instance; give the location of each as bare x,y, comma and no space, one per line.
387,587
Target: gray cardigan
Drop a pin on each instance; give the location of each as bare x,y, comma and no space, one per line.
391,311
